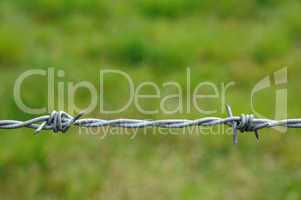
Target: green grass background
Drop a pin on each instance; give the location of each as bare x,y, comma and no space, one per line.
152,40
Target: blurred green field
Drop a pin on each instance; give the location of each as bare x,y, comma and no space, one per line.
152,40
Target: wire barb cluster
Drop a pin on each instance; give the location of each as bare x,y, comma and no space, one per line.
59,121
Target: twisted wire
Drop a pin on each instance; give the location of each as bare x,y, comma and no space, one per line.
59,121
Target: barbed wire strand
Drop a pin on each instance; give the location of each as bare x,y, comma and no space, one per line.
59,121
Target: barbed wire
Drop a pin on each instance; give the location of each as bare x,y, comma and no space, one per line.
59,121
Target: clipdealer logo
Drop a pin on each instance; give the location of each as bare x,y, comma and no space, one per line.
192,97
280,80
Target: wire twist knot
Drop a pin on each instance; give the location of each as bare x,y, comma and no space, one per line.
246,123
59,121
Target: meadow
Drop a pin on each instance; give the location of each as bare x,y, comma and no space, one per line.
150,40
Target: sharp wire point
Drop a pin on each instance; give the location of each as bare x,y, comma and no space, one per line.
257,135
38,130
234,125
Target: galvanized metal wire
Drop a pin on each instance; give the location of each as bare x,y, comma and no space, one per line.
59,121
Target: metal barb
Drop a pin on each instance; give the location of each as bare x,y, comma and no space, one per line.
234,125
245,124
